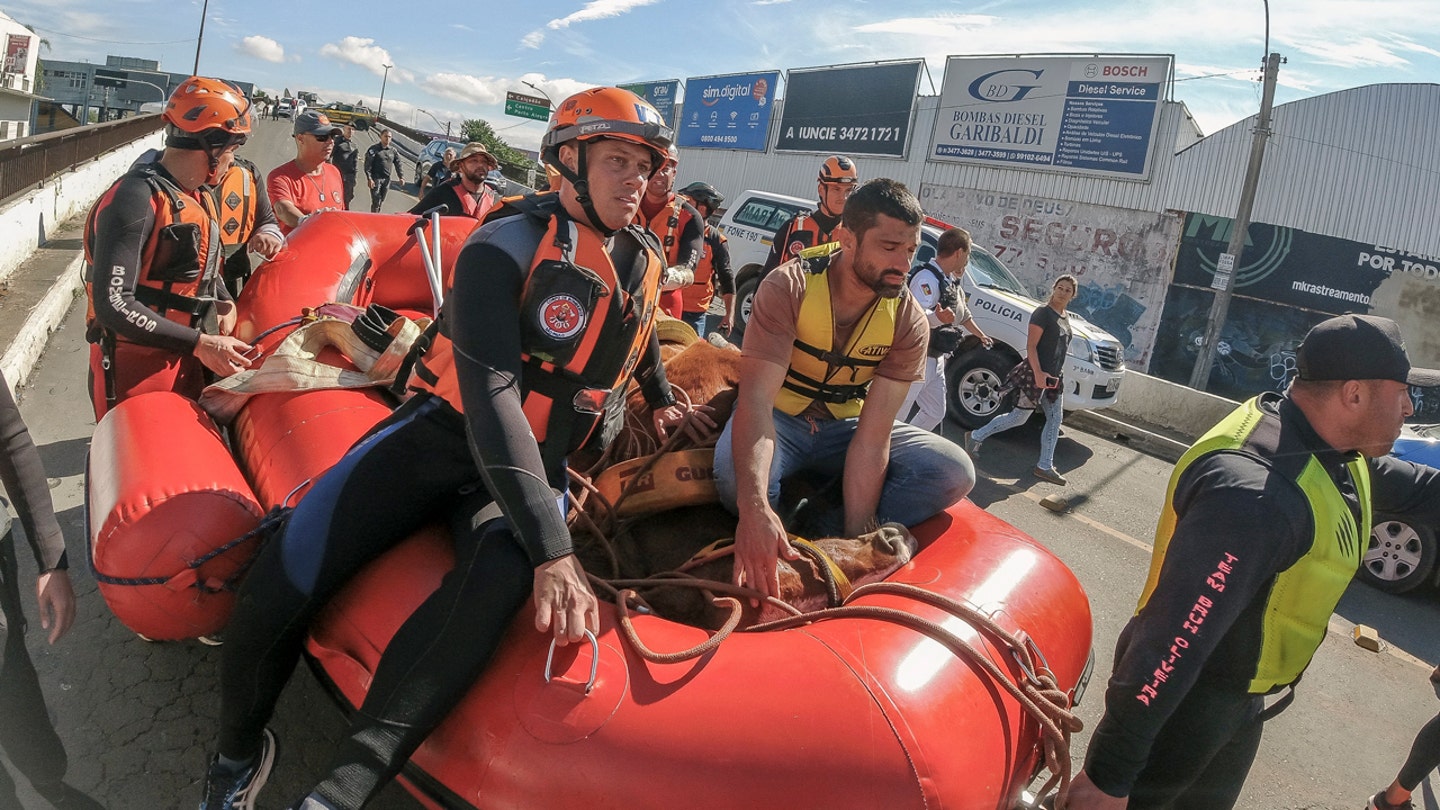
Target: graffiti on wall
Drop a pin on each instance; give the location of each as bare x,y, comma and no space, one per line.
1121,257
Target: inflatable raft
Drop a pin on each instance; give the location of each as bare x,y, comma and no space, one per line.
870,709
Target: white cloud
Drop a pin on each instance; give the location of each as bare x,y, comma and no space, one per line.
593,10
465,88
262,48
361,51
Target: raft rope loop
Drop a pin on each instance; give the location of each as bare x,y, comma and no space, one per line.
267,527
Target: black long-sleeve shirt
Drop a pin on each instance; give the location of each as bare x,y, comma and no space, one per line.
1237,518
720,260
24,478
379,159
484,316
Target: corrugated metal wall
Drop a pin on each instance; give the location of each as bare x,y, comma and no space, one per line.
1360,164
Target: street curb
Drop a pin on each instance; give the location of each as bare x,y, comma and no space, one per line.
1138,438
24,351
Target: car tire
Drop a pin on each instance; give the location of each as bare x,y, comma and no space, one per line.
972,383
362,124
744,302
1400,556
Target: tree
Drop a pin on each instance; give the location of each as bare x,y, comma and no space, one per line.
514,163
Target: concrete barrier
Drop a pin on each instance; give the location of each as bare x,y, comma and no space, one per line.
1154,401
28,222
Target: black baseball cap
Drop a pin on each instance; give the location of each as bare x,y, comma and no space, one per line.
1359,347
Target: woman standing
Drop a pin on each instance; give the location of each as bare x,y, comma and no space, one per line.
1040,379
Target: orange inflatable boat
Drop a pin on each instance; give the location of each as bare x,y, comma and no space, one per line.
907,698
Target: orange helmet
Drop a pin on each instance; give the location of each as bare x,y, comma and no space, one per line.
839,169
200,104
606,112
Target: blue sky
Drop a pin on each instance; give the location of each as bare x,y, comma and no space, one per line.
456,60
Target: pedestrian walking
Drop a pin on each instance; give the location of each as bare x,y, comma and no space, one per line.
1424,758
345,156
379,158
1038,380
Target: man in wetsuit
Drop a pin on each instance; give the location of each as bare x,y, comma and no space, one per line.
712,272
680,229
1265,522
529,363
159,312
26,733
838,177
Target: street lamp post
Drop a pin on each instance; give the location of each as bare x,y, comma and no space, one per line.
437,121
204,9
541,92
380,108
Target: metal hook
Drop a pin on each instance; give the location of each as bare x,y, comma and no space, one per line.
594,660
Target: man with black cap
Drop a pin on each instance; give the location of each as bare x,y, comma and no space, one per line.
309,183
1265,523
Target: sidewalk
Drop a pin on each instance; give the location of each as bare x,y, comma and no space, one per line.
35,298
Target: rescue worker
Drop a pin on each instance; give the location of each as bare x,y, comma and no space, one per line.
838,177
466,193
1265,523
680,229
713,270
309,183
159,314
831,349
551,314
247,222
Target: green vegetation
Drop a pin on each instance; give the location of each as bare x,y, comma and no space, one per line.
513,163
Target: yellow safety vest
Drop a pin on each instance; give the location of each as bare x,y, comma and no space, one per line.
817,372
1298,608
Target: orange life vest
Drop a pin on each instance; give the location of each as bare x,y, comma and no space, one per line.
180,263
699,295
805,232
579,354
231,202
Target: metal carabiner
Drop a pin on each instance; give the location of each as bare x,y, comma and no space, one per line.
594,660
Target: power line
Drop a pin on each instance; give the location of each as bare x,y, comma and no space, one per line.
107,41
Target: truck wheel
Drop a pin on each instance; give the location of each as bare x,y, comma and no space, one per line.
973,383
362,124
1400,556
744,300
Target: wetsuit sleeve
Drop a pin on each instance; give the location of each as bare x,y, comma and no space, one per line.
121,228
692,238
777,246
650,373
484,317
24,477
1405,489
1237,528
720,262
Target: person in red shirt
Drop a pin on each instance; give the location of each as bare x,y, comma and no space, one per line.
310,182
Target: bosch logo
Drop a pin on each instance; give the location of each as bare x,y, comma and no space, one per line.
1004,86
1133,71
1092,70
562,317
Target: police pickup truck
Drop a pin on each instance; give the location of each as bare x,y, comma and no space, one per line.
998,301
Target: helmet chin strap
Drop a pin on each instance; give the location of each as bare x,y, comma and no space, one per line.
582,189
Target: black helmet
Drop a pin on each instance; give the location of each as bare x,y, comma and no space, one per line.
704,194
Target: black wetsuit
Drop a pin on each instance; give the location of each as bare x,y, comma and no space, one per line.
415,467
26,733
1192,744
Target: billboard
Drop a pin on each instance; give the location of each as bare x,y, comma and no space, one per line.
1121,256
850,109
662,95
17,53
728,112
1092,115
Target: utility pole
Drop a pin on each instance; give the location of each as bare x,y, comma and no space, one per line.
1224,281
204,9
380,108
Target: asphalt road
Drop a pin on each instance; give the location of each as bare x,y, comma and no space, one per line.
139,718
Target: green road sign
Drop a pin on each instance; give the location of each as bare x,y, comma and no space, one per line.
521,106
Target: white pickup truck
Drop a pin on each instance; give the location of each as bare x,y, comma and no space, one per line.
998,301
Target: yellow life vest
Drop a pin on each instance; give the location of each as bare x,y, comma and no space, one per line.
1302,597
817,371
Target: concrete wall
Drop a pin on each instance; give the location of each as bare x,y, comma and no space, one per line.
29,221
1154,401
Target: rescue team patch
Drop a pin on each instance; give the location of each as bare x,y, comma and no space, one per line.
925,288
562,317
796,247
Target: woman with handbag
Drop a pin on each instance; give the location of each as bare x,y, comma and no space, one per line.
1039,380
